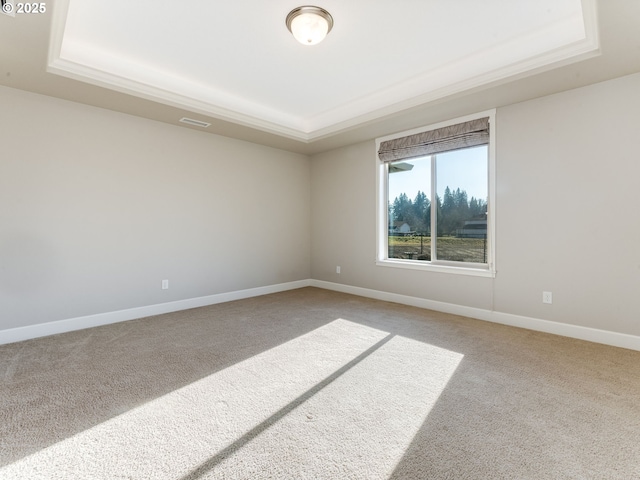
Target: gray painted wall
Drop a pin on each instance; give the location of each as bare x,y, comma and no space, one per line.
568,183
98,207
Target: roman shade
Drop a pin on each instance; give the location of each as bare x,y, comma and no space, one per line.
452,137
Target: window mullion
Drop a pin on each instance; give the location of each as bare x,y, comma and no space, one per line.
434,211
383,205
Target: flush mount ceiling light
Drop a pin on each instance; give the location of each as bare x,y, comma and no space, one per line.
309,25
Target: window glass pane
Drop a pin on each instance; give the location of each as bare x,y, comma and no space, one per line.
409,208
462,192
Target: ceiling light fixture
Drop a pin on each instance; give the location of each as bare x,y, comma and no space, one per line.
309,25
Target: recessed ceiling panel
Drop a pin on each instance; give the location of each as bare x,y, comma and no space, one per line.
237,61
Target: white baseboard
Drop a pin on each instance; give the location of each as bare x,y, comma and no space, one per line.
606,337
61,326
567,330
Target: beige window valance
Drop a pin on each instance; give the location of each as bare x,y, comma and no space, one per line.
453,137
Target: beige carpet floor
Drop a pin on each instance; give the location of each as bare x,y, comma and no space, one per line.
313,384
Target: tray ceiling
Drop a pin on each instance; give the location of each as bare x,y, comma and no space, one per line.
236,61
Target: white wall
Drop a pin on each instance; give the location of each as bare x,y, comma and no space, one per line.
568,178
98,207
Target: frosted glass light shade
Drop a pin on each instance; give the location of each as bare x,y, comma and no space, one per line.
309,25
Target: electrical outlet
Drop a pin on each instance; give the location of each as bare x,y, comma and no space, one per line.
547,297
338,269
165,284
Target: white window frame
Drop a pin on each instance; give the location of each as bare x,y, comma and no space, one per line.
382,188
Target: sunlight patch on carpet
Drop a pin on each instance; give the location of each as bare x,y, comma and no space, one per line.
343,399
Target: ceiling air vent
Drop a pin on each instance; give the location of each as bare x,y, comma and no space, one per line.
195,123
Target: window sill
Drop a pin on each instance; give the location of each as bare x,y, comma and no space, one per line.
440,268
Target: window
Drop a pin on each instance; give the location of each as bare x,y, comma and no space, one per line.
435,197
